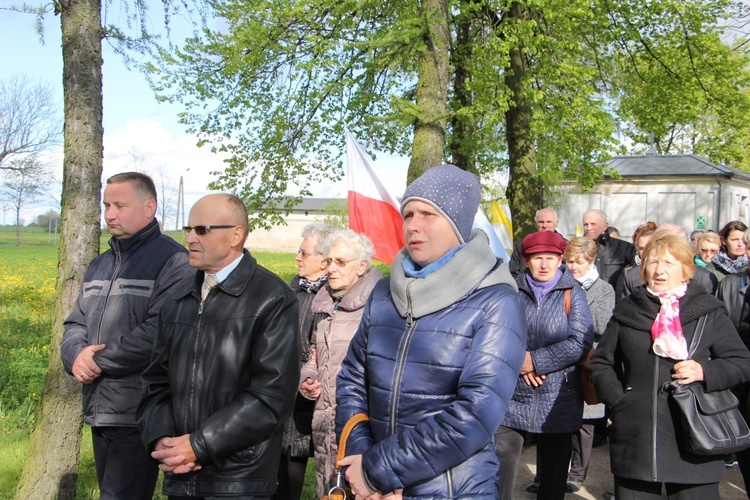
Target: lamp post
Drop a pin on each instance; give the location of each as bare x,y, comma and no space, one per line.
180,204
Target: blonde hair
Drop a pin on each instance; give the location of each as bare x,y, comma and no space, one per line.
711,237
677,247
580,246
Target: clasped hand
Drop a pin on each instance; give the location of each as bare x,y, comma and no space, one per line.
176,455
687,372
357,481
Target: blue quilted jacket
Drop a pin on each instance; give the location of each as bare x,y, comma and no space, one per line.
434,364
556,343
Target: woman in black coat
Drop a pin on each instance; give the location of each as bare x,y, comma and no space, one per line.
644,347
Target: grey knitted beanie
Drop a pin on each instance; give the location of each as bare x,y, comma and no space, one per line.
455,193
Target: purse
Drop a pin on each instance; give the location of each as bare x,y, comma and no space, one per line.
711,421
341,491
587,385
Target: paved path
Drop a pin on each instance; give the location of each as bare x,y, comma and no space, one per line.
599,477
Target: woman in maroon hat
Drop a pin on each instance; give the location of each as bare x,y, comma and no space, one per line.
548,400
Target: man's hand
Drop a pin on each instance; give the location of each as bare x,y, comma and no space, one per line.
85,369
176,455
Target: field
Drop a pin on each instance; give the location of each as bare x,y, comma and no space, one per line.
26,306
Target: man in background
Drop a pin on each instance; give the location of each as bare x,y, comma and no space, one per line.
545,220
612,254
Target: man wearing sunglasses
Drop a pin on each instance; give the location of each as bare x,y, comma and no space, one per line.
109,335
225,367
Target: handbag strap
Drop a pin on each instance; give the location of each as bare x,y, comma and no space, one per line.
697,336
356,419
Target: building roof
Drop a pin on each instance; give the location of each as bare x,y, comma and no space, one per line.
651,164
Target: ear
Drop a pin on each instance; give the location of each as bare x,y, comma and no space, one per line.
150,208
362,267
238,237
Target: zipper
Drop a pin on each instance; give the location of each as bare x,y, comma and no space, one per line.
401,359
654,417
118,262
191,387
449,480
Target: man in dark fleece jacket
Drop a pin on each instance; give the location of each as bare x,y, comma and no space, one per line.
109,335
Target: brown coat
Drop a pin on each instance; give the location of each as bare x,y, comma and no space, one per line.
331,339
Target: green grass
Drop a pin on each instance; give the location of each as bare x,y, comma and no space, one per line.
27,292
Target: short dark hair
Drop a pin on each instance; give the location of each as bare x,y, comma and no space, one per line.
142,183
735,225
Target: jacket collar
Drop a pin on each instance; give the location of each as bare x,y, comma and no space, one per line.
128,245
355,298
473,266
235,283
603,238
566,281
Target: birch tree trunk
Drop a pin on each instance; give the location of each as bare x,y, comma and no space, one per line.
51,466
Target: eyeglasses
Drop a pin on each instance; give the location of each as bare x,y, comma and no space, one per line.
202,230
338,262
305,253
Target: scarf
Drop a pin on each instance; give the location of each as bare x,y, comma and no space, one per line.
542,288
699,262
725,262
666,332
312,286
412,270
588,279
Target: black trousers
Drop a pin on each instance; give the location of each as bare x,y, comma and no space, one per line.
291,477
553,457
124,468
633,489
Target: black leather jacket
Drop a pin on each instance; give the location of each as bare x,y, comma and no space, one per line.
225,372
612,256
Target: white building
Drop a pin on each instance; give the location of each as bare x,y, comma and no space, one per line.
684,189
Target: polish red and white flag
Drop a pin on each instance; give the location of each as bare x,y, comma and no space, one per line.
373,210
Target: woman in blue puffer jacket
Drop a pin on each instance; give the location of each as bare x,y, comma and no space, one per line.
548,400
436,356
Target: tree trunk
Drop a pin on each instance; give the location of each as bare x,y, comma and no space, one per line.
462,146
525,191
432,90
51,466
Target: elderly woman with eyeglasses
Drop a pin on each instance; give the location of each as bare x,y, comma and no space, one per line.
340,302
296,443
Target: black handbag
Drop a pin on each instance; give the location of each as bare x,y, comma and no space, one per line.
711,421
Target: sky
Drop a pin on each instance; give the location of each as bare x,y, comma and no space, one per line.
133,119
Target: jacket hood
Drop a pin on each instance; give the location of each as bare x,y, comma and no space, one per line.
354,298
639,309
473,267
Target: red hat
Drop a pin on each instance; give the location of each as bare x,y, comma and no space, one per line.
543,242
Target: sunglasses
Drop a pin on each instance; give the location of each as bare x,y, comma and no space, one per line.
304,253
202,230
338,262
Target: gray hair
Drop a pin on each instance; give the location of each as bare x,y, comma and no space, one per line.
670,228
320,232
358,243
536,215
601,213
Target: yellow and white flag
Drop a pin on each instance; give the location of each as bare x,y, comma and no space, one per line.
502,223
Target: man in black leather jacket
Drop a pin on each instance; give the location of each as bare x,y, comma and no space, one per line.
224,371
612,254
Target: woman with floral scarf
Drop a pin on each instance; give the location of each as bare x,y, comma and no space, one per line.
645,346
